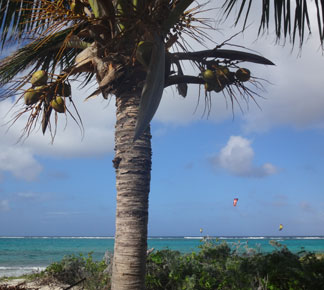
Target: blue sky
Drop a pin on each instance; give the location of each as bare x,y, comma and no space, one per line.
271,159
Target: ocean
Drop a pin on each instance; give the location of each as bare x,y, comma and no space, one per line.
22,255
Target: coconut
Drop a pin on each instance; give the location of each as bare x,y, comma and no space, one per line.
39,78
209,87
58,104
218,86
143,52
222,74
208,75
32,96
230,78
243,74
222,70
64,89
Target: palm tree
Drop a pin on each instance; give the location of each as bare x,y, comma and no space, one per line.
128,48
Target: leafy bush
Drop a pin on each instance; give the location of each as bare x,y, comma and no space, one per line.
215,266
72,269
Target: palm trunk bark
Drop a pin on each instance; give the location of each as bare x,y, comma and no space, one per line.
133,174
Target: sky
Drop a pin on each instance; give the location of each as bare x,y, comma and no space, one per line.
270,157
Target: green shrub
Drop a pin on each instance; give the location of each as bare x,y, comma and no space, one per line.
216,266
71,269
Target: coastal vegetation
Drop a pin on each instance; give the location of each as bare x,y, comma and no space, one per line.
62,42
216,265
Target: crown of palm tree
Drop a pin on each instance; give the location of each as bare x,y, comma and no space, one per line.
99,38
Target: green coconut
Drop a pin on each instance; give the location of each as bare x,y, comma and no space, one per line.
58,104
39,78
243,74
209,86
230,78
208,75
143,52
33,95
219,86
222,71
64,89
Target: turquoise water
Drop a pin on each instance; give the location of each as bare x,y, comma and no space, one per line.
19,255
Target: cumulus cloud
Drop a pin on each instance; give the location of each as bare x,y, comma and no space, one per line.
20,162
4,205
294,100
293,97
237,158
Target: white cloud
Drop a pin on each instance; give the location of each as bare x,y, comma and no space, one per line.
237,158
19,158
20,162
4,205
294,98
176,110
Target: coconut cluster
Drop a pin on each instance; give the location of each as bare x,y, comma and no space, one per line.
52,94
38,82
218,77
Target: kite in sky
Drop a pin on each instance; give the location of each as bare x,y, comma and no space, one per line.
280,227
235,201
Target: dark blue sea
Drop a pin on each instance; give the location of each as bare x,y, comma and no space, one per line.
20,255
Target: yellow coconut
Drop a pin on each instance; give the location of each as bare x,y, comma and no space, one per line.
32,96
58,105
243,74
39,78
208,75
143,52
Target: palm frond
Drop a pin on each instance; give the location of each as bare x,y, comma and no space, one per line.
25,19
15,19
41,56
285,12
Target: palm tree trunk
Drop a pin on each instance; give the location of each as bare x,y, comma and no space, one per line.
133,174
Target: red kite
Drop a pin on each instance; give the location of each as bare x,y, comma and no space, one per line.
235,201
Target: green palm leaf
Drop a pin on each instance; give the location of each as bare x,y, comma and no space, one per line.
41,56
17,18
283,13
